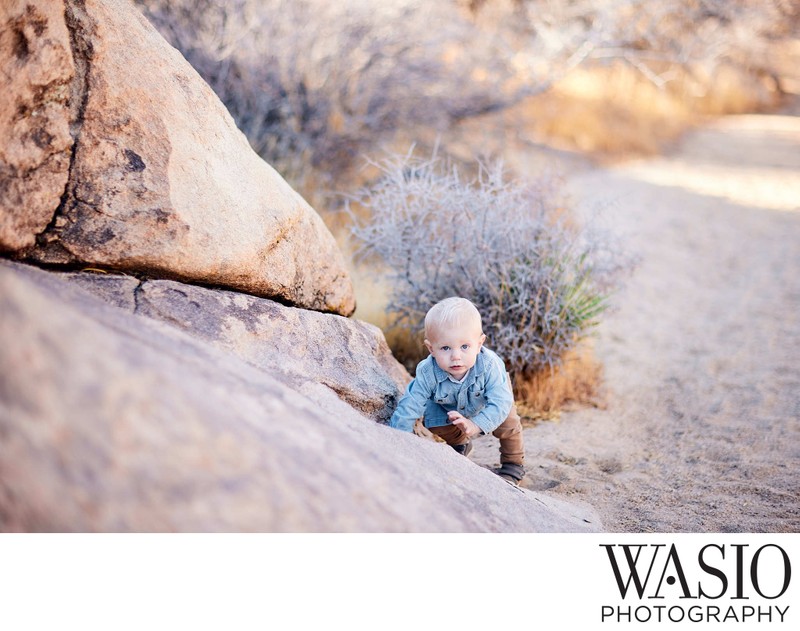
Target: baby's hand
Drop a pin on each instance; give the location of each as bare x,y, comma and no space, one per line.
464,424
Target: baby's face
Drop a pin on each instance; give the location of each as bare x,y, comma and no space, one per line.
456,349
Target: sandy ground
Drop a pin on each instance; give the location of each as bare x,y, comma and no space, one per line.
702,355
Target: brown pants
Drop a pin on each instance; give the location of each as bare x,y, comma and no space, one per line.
509,433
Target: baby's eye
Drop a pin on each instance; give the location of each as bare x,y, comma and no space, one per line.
445,348
464,347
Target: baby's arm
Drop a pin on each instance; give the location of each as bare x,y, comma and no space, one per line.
412,403
499,400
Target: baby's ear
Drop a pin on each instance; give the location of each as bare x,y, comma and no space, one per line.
483,338
429,346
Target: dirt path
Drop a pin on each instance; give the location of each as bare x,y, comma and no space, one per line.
702,357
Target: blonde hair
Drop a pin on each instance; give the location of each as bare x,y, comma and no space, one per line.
451,312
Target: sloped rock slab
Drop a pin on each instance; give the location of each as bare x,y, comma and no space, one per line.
114,422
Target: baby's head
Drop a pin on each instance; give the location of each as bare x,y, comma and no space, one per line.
454,335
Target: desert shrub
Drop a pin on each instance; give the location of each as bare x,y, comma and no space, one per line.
540,280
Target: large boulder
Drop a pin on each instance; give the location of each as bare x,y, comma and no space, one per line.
119,155
111,421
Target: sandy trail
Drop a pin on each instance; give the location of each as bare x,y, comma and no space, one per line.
702,356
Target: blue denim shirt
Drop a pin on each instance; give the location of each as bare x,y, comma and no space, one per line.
483,396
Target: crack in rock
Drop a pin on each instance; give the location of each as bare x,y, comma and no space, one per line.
78,24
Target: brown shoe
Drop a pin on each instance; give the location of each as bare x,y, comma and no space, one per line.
511,473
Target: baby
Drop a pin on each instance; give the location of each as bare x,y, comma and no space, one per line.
461,389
